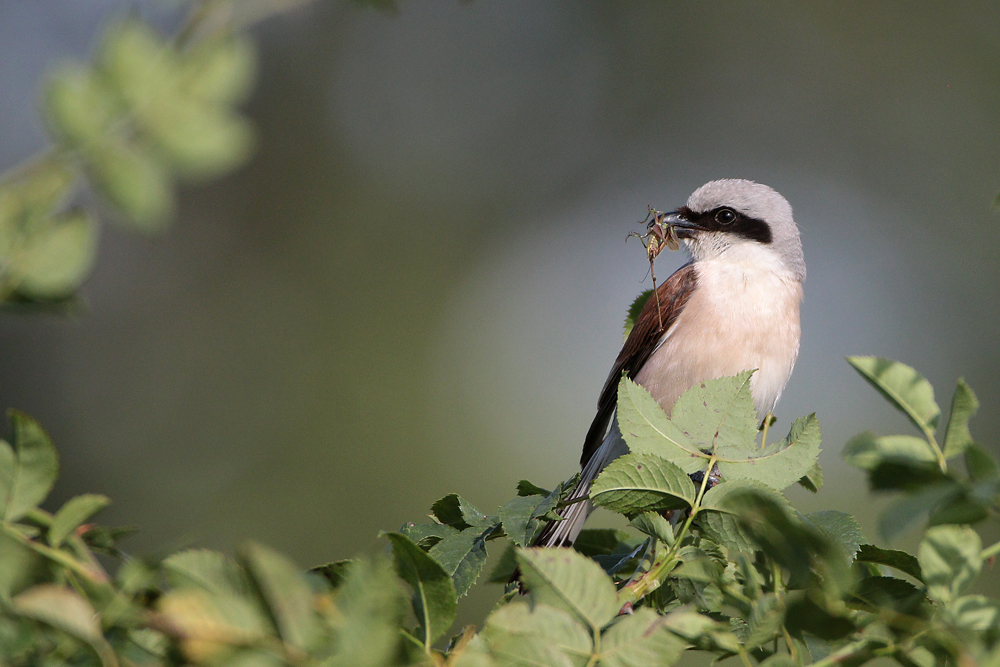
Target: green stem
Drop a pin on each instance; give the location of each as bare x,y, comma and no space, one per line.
847,652
990,552
56,555
929,434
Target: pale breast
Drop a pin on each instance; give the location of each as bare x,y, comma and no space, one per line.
740,317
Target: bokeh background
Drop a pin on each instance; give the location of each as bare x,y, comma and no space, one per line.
418,284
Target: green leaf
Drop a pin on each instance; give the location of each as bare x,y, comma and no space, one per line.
779,465
639,640
840,527
565,579
721,507
287,594
981,465
463,555
334,572
200,141
434,597
637,483
454,510
219,71
28,470
867,450
905,512
526,488
963,407
899,560
909,391
521,517
133,181
647,430
719,413
654,525
813,480
371,604
54,259
210,570
62,608
889,593
634,310
73,514
702,631
427,534
540,637
80,106
18,565
974,612
950,560
601,541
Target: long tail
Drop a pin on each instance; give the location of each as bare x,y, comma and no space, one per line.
563,533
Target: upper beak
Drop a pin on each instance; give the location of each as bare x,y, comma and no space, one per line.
678,222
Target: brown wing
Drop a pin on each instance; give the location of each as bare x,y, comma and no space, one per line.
641,342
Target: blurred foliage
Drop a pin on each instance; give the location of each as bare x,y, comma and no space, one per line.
718,562
145,114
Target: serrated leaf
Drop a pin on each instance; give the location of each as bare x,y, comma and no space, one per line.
434,598
647,430
564,579
287,594
73,514
520,517
454,510
867,450
18,565
889,593
654,525
721,507
526,488
904,387
702,631
780,465
766,617
719,413
80,107
542,636
463,555
54,260
964,405
426,535
840,527
637,483
899,560
950,560
634,310
28,469
640,640
813,480
62,608
980,464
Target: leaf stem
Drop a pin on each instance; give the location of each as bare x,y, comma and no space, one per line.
932,441
57,555
990,552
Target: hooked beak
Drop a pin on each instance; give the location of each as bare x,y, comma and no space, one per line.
676,219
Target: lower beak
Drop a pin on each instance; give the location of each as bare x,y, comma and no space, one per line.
685,228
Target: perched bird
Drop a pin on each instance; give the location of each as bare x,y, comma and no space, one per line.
733,307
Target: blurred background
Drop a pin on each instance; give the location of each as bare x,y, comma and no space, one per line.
418,284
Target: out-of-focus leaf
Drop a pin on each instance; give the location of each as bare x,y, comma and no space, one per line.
962,509
721,508
868,450
779,465
981,465
73,514
18,564
564,579
899,560
963,407
950,561
841,527
520,635
200,141
766,617
55,259
702,631
334,572
804,615
463,555
209,621
133,181
206,569
903,387
639,640
106,538
28,469
287,593
62,608
719,413
370,605
634,310
434,597
219,71
137,63
974,612
647,430
889,593
637,483
80,106
599,541
908,510
654,525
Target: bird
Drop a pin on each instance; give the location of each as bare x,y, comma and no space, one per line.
733,307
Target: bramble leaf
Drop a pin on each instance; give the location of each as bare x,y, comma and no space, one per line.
634,310
638,640
434,598
647,430
963,407
73,514
28,469
637,483
904,387
779,465
565,579
899,560
840,527
719,413
950,560
867,450
287,594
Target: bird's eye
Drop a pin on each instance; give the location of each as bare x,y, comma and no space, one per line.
725,216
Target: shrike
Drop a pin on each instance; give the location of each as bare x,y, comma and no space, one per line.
733,307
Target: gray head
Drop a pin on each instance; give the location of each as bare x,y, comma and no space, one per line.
725,216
